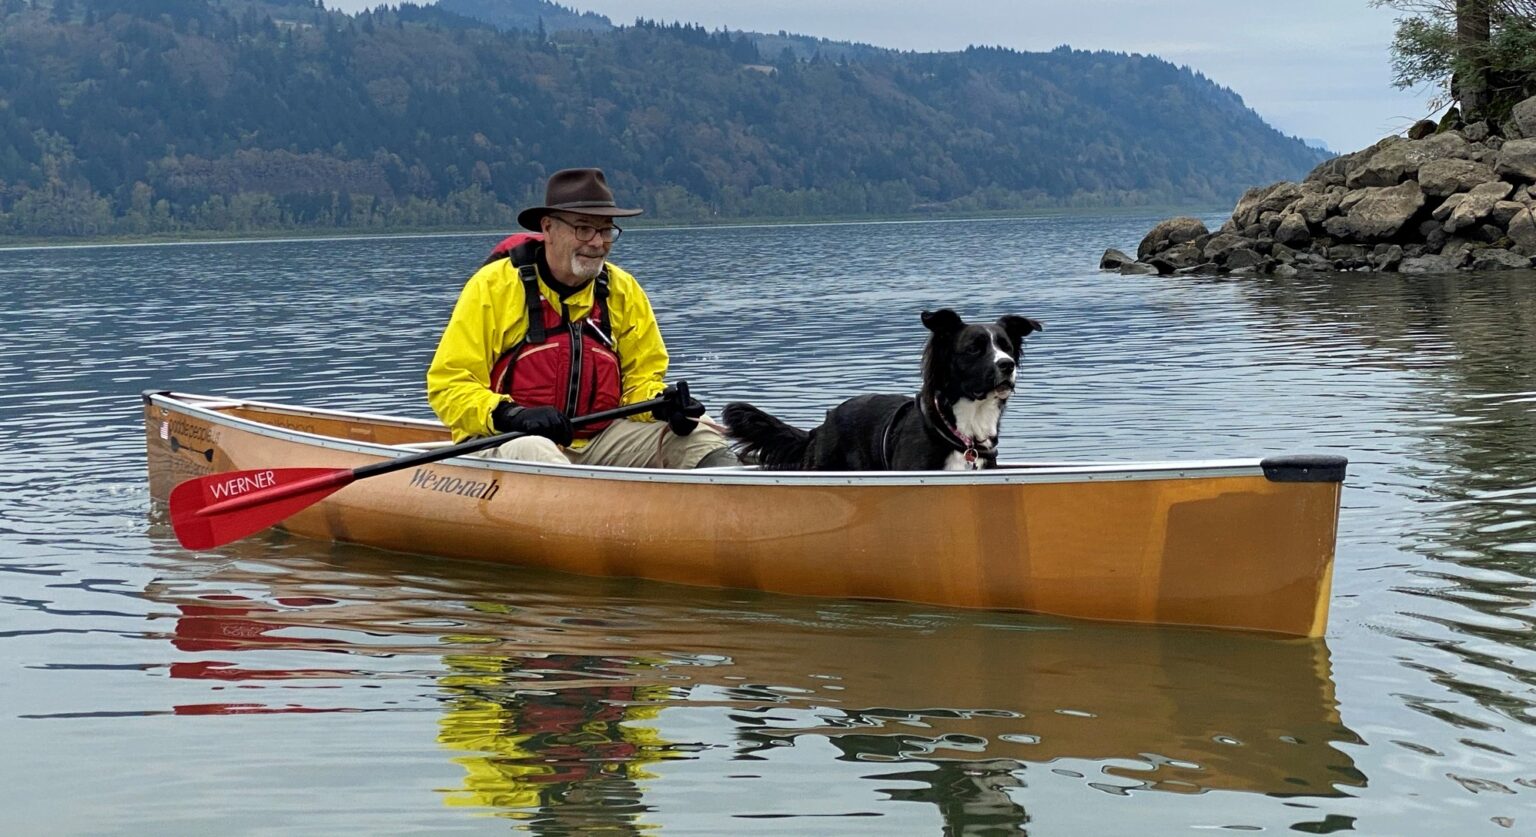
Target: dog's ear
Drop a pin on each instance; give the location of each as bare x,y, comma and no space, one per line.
1017,327
943,321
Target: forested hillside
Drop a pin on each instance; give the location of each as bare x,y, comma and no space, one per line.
527,15
146,116
542,15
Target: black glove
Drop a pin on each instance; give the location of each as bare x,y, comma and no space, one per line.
681,412
534,421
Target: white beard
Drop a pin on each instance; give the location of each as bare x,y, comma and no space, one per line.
586,268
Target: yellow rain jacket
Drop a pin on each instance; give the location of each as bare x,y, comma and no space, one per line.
491,317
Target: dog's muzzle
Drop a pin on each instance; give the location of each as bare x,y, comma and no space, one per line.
1001,390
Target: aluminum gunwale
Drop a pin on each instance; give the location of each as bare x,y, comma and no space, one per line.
1008,474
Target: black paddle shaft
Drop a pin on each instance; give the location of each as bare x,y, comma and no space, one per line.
484,442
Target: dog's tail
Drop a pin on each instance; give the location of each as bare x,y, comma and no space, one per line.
774,444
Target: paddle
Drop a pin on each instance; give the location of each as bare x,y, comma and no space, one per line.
218,509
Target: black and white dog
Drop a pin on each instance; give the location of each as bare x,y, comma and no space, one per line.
952,423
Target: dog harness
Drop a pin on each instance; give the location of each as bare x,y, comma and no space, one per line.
973,449
569,365
886,445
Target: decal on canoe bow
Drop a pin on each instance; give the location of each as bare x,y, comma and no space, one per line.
186,430
179,445
426,479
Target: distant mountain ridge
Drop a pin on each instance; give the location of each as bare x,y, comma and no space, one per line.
134,116
533,15
528,15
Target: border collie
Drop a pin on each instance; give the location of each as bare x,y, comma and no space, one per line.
951,424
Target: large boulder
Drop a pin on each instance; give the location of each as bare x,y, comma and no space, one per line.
1348,200
1379,213
1439,178
1261,199
1386,257
1444,210
1175,257
1517,161
1522,120
1429,264
1243,259
1314,207
1169,233
1401,161
1216,248
1522,231
1477,205
1114,260
1504,212
1348,253
1496,259
1293,230
1335,171
1331,172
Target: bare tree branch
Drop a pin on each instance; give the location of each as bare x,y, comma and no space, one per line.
1523,11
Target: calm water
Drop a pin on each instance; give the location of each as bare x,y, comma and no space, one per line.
286,686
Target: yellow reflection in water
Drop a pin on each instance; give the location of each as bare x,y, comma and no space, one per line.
539,733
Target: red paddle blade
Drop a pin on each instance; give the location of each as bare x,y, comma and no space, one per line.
220,508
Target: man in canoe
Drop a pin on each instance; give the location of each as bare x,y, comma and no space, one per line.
547,330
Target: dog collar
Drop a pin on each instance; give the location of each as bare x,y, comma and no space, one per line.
961,442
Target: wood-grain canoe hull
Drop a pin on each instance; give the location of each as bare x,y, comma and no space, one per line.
1232,543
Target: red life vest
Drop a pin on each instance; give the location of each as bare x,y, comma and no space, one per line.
571,366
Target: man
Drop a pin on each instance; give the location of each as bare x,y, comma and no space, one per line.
549,330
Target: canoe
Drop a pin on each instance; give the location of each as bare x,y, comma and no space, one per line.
1239,543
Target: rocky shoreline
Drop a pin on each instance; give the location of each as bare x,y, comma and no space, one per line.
1445,198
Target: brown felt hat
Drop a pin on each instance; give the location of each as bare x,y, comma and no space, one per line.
583,191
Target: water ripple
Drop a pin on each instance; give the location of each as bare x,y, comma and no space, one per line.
568,705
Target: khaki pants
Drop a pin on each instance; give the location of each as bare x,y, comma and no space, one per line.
623,444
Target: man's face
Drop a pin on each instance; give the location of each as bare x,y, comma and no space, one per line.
576,245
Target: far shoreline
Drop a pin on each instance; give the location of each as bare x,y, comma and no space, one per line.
321,235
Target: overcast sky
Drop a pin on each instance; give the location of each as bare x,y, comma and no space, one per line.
1312,68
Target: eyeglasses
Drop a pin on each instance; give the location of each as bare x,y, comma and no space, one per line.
585,232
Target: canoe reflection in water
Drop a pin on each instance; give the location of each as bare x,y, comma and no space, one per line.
558,693
575,751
